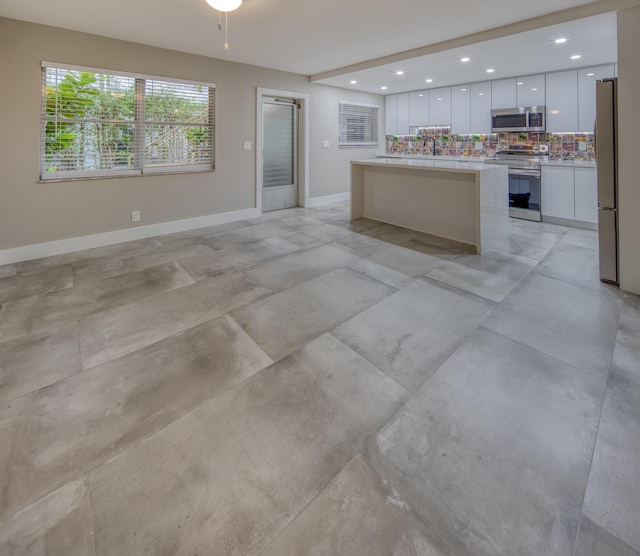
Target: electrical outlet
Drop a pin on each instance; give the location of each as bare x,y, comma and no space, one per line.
247,145
325,144
135,216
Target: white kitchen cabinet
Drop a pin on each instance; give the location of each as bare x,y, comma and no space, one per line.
562,101
586,194
587,94
419,108
480,107
558,192
530,90
391,115
503,93
440,106
403,114
460,109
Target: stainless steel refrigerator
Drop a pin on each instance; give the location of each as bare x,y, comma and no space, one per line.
607,161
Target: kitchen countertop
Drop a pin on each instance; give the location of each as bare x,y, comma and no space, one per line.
450,164
469,160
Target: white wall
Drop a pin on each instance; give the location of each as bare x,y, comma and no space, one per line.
628,128
32,213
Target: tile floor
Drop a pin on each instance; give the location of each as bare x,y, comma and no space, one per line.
302,384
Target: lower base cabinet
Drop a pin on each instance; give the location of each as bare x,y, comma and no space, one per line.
570,193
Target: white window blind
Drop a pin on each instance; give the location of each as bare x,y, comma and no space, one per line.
358,124
98,124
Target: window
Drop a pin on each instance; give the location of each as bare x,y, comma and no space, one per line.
358,125
97,124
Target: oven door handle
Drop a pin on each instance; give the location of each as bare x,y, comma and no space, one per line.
523,172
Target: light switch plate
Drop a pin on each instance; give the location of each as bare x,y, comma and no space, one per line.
247,145
325,144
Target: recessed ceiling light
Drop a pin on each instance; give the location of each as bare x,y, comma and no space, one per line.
464,59
590,74
353,81
480,94
534,89
576,57
490,70
520,83
439,98
561,40
429,80
383,88
420,95
399,72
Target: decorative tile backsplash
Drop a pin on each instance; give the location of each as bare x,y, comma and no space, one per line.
568,147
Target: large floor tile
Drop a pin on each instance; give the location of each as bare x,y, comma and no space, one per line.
58,524
32,362
573,264
49,311
613,495
358,514
529,244
247,234
64,430
111,333
227,478
384,274
424,243
494,450
201,232
595,541
130,247
626,354
491,275
236,257
586,239
116,265
572,323
283,322
412,332
8,270
39,282
290,270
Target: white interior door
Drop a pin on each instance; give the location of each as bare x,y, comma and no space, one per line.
279,154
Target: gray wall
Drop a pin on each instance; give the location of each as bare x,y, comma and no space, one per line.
31,212
628,126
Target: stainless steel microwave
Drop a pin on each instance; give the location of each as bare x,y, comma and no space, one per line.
524,118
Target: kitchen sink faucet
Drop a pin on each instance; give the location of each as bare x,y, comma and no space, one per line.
424,143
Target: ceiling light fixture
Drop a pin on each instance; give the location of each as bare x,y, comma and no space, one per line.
490,70
383,88
576,57
224,6
464,59
429,80
353,81
561,40
520,83
399,72
590,74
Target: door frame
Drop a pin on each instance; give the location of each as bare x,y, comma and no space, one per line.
303,142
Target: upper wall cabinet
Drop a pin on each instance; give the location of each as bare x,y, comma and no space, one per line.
562,101
587,78
419,108
391,114
503,93
440,106
403,114
460,109
530,90
480,107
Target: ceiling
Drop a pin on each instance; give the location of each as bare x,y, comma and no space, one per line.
593,38
312,37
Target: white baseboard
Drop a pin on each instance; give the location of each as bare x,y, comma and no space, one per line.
328,199
39,250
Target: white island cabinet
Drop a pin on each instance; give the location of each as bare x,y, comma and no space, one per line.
465,202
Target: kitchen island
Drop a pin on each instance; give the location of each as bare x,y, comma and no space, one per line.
464,201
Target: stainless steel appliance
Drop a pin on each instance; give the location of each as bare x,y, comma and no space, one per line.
607,160
524,118
524,163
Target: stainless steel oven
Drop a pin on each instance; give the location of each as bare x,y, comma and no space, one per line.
525,180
